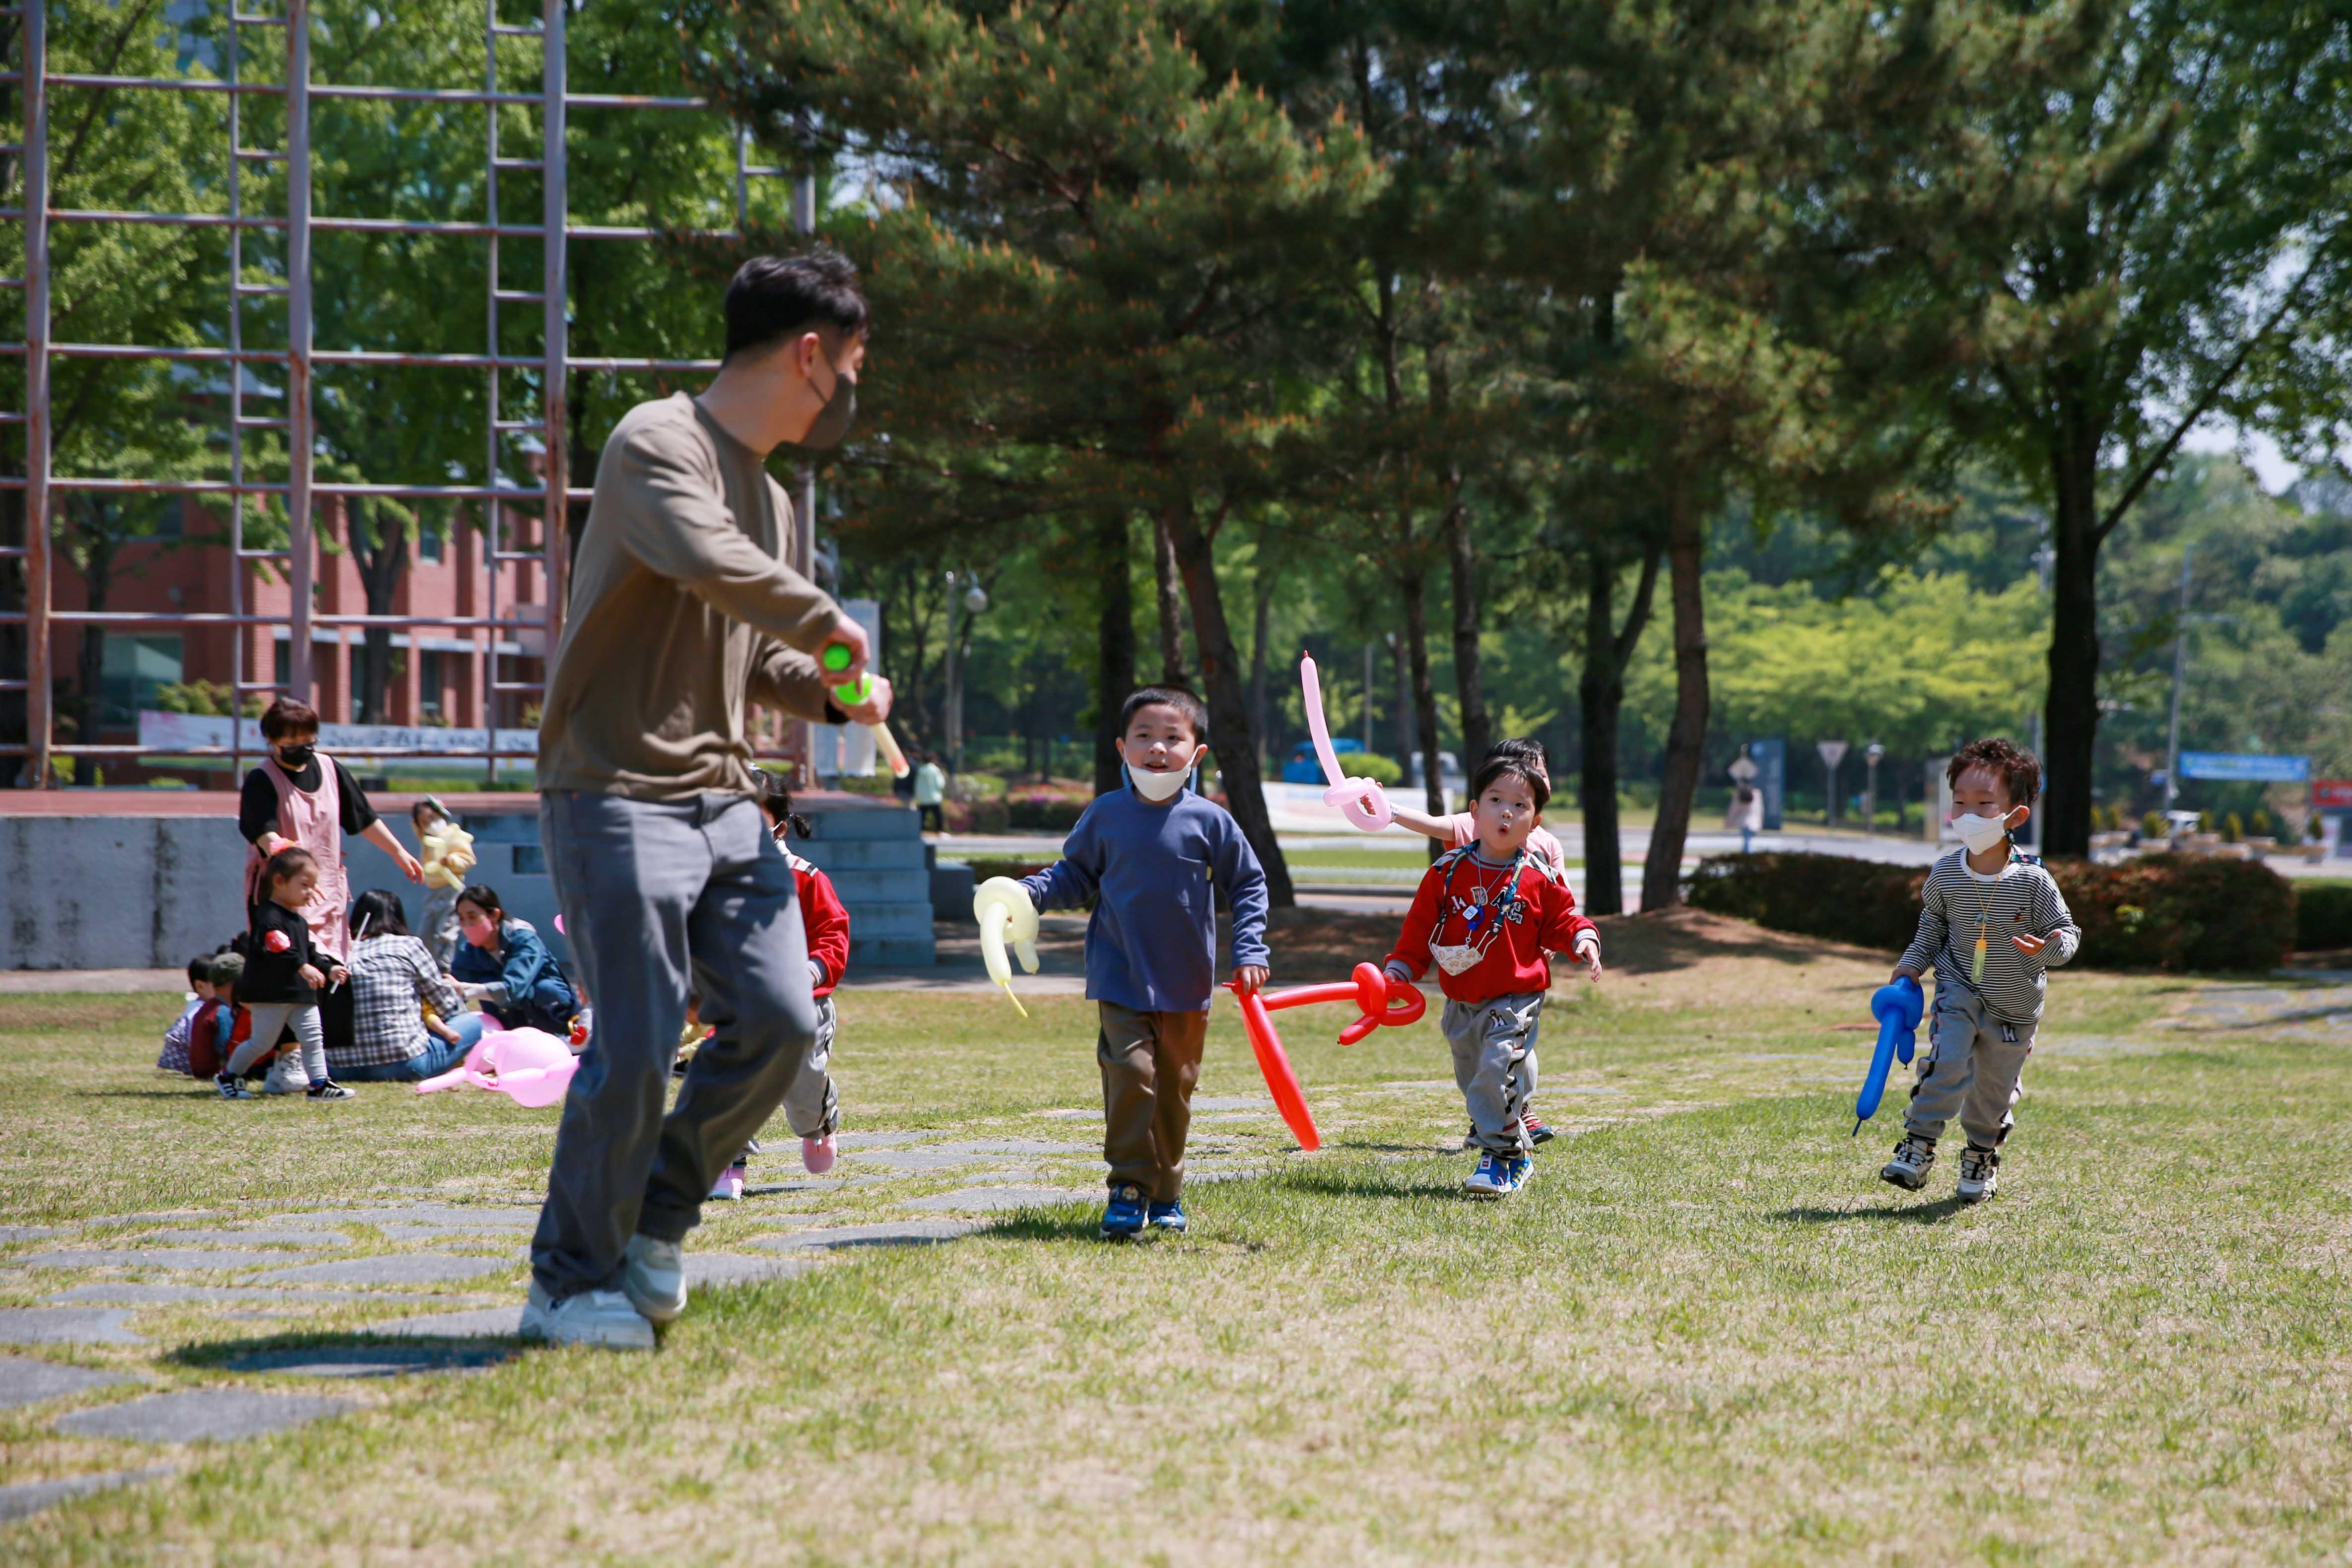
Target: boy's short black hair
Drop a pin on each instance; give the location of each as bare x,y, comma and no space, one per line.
200,970
2019,770
1499,765
1175,697
776,297
1523,749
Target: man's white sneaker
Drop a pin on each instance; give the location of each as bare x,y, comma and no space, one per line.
654,1281
605,1318
1914,1157
1980,1174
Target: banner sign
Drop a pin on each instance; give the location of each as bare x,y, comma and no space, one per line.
2244,767
182,732
2331,791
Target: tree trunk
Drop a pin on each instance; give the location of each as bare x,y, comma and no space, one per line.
2071,715
379,545
1424,699
1114,646
1687,738
1477,725
1600,698
90,672
1262,614
1228,704
1166,577
1400,717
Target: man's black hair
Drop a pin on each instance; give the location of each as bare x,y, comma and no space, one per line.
777,297
1174,697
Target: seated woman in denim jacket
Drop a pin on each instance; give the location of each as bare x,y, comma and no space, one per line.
506,971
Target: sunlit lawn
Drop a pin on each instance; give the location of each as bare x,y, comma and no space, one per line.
1707,1332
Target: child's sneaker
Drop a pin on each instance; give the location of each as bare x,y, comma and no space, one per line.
231,1087
1980,1174
1536,1131
817,1154
1169,1216
1912,1158
1519,1171
730,1185
286,1077
1493,1178
1125,1215
331,1089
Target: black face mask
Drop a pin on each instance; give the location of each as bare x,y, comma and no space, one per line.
833,421
294,759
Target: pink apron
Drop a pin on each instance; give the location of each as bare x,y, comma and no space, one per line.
314,821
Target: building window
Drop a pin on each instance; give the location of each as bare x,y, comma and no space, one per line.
428,544
281,663
134,667
431,681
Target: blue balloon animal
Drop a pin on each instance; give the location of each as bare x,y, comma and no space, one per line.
1897,1007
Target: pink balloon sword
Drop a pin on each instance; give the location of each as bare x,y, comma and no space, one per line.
1360,801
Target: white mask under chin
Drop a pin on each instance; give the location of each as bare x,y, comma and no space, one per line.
1157,787
1980,833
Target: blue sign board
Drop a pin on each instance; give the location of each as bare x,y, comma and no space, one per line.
2245,767
1771,759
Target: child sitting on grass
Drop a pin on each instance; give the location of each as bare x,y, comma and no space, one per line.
1150,858
283,975
175,1038
1491,914
1992,921
813,1106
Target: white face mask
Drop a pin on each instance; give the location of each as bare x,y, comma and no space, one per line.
1157,787
1980,833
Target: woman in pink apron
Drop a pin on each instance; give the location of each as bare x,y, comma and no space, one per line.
297,796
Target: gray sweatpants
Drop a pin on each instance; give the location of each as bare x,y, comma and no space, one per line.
659,898
271,1019
1494,1066
441,932
813,1109
1974,1069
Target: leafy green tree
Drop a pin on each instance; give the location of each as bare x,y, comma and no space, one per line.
1093,194
2116,221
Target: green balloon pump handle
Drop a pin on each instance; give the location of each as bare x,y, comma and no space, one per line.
837,658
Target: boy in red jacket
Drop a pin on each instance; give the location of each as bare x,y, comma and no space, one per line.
812,1106
1491,915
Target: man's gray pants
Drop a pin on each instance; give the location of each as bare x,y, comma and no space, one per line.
1975,1069
1494,1066
659,899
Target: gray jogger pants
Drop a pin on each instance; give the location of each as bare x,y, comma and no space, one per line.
441,932
660,898
811,1108
272,1018
1494,1066
1974,1069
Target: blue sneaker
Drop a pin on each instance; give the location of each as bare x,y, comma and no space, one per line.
1492,1179
1519,1171
1125,1216
1169,1216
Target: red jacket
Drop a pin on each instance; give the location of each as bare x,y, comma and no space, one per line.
1543,919
824,920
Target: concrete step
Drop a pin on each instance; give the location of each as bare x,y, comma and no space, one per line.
896,952
846,853
857,888
874,822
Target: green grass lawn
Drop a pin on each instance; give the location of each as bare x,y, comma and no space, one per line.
1705,1333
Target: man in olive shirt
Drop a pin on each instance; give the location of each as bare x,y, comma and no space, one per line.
682,610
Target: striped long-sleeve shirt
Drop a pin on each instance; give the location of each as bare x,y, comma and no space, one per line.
1959,905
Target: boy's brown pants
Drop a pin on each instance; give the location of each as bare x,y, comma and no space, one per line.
1149,1063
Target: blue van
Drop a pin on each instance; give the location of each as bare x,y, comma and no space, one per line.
1305,767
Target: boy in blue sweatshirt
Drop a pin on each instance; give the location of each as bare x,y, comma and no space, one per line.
1146,855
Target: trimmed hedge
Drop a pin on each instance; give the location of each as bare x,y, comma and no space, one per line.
2323,916
2158,911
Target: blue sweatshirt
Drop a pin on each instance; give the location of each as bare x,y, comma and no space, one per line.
1152,943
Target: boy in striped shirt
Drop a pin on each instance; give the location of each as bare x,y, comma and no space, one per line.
1992,921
